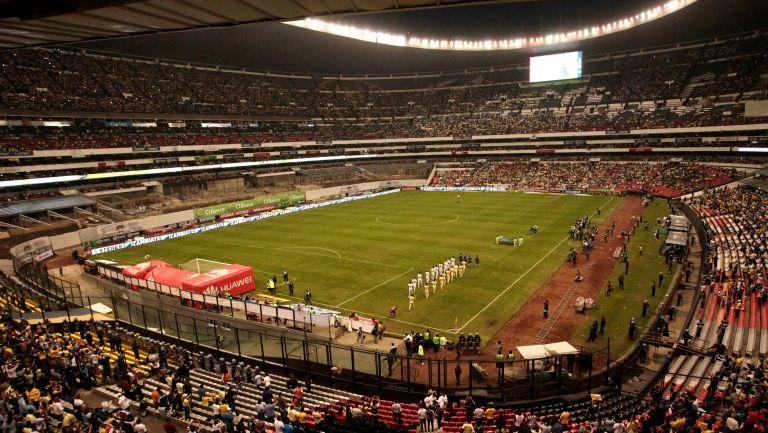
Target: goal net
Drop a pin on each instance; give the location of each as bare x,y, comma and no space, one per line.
202,266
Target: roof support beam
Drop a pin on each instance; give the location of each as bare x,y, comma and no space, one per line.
257,9
302,7
16,41
12,226
45,30
28,36
52,214
23,218
208,11
153,16
175,13
327,8
100,206
79,211
114,21
91,30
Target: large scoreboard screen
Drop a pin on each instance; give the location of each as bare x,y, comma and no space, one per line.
563,66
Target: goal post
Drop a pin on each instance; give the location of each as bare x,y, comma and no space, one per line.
202,266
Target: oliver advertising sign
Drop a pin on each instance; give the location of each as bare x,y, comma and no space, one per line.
278,201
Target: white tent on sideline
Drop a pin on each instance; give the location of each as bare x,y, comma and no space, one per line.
561,348
678,223
541,351
535,351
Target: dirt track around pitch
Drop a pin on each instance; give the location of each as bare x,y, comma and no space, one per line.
521,329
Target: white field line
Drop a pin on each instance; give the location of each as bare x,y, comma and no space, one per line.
374,287
315,254
103,256
209,261
503,292
456,217
299,248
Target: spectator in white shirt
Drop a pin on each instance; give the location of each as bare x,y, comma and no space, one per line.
479,413
278,425
139,427
124,402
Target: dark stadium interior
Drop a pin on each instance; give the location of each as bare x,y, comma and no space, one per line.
124,123
281,48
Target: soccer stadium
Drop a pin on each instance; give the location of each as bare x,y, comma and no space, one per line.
384,216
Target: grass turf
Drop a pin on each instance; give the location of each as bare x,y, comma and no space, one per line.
622,305
360,256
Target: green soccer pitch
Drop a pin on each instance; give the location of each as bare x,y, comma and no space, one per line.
360,256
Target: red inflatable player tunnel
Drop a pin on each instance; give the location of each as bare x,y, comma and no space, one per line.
233,279
168,276
142,269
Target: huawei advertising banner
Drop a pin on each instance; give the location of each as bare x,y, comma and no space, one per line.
233,279
261,203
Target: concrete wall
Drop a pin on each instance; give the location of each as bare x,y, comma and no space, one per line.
323,193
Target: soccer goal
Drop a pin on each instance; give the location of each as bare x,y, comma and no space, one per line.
202,266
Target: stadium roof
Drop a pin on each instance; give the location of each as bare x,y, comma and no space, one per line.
26,22
277,47
250,33
26,207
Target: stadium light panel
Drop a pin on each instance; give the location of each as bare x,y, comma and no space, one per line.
431,43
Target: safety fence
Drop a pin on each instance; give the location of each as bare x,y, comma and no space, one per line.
361,368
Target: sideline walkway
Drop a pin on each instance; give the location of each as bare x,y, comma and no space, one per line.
657,352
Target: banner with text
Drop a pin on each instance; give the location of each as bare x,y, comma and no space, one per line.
274,201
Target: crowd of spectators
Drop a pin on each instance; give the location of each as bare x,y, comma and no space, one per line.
89,134
50,79
671,179
47,370
564,173
739,402
736,220
734,280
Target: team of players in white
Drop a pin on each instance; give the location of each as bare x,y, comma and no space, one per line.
435,278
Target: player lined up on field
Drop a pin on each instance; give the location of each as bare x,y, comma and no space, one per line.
438,276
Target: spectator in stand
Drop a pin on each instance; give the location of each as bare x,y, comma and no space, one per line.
664,179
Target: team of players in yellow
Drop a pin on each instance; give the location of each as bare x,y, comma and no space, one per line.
437,277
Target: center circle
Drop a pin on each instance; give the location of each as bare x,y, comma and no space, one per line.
411,220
